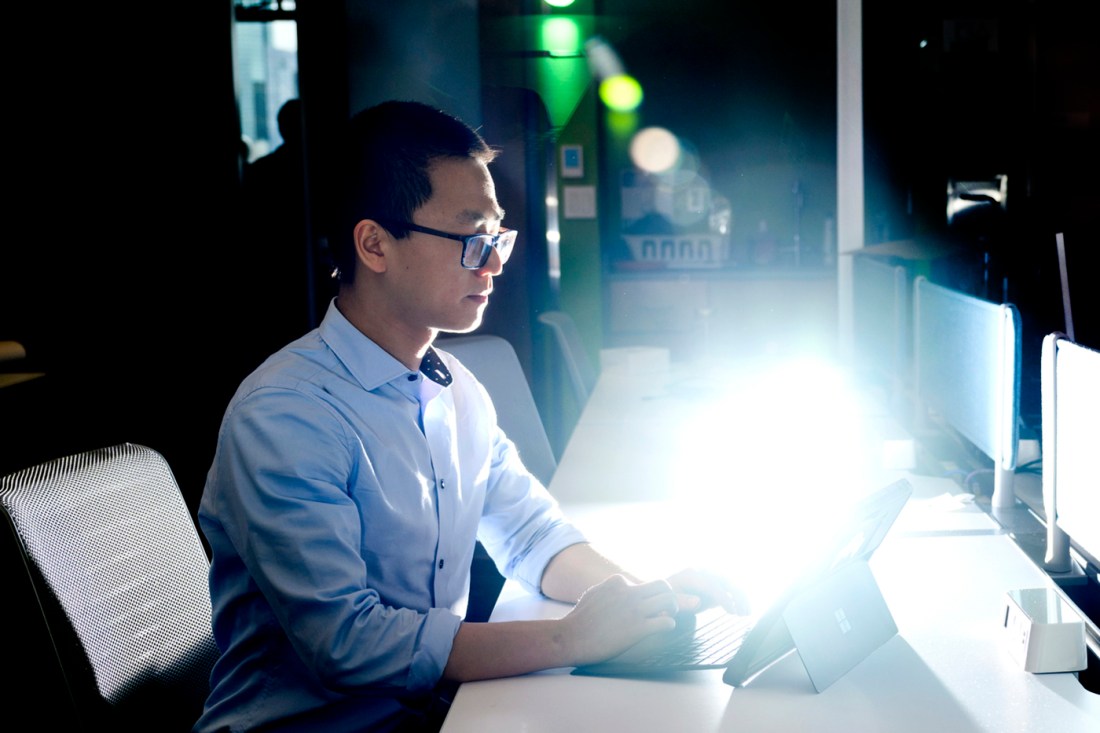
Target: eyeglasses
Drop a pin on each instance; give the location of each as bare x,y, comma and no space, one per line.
475,247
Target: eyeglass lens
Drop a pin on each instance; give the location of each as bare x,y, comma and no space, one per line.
475,253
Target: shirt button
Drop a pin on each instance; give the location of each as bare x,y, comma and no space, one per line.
412,377
442,483
440,564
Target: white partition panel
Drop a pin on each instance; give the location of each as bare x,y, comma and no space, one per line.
882,316
967,370
1071,439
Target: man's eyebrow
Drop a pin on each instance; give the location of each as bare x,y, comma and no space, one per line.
473,217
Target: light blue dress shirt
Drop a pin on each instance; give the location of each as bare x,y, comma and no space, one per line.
341,511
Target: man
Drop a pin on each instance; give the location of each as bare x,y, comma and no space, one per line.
356,467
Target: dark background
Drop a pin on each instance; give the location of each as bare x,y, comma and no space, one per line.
123,276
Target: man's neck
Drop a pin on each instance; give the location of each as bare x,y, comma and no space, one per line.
394,337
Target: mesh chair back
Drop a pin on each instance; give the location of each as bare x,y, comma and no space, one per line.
121,577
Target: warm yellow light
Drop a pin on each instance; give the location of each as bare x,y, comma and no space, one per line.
655,150
621,93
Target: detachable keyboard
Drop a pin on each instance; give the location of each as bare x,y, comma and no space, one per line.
708,640
713,644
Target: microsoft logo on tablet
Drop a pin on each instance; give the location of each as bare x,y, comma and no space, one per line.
842,621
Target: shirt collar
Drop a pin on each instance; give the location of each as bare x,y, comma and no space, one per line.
432,367
368,362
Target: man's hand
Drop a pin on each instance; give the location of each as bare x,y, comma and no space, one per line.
609,617
616,614
697,590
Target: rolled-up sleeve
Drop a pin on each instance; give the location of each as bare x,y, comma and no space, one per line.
522,521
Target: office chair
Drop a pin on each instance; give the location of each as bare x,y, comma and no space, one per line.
120,576
495,364
582,374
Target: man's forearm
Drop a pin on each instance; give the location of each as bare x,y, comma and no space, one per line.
489,650
576,569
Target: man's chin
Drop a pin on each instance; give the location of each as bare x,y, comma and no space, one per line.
462,320
460,328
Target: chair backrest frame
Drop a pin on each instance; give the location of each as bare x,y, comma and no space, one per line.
579,367
121,578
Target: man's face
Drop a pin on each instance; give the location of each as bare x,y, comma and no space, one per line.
432,288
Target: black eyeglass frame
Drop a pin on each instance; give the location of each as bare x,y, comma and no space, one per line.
502,241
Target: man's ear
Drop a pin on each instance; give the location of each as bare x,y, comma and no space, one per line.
369,239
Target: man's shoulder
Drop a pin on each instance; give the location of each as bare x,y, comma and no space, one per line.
304,365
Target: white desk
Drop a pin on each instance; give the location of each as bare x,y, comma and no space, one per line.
639,436
944,570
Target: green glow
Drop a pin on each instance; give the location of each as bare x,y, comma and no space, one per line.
562,77
561,82
622,125
621,93
560,36
559,3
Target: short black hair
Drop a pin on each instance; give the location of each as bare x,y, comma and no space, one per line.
384,166
289,120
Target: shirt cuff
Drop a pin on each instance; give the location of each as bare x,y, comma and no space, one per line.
433,651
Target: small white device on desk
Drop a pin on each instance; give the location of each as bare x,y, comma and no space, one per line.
1044,633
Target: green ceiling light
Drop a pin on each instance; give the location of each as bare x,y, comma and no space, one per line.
559,3
621,93
561,82
545,53
559,65
561,36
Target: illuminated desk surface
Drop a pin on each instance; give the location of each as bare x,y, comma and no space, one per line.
944,570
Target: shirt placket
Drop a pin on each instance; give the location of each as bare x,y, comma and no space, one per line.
438,423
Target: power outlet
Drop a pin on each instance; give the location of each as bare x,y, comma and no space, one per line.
1043,631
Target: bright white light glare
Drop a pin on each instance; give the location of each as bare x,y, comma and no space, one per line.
774,464
284,35
923,43
655,149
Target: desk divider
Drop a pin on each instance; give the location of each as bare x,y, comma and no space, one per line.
881,316
967,371
1070,374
